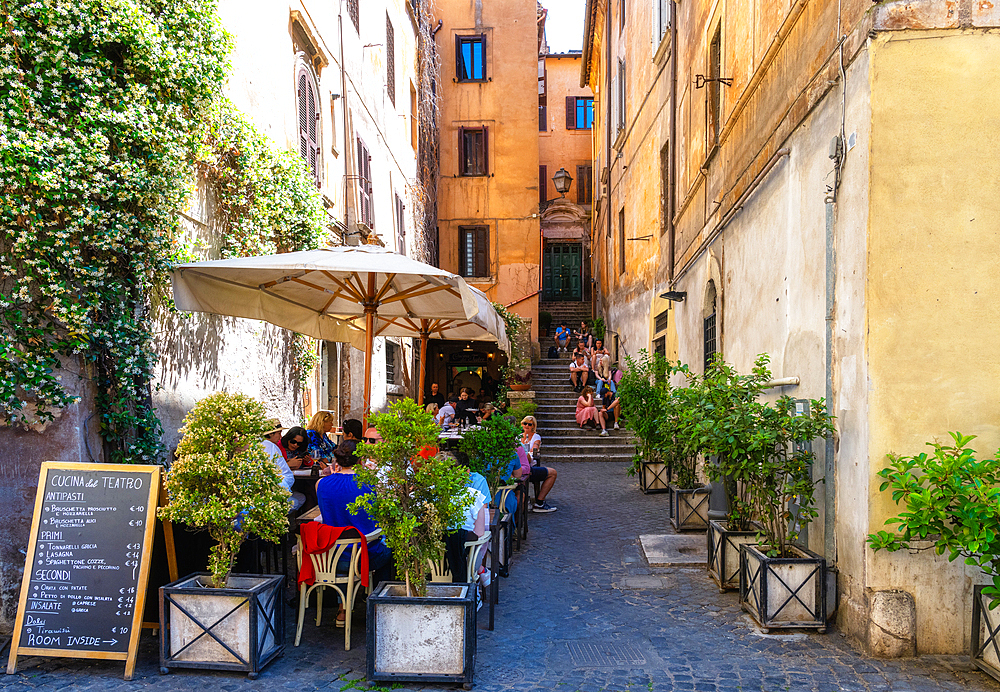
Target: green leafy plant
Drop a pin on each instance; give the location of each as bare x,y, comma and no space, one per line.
952,500
518,367
761,450
599,328
490,447
523,408
416,493
266,200
651,407
544,320
223,481
104,106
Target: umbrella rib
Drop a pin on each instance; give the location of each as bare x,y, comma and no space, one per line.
435,289
346,287
410,292
290,277
410,322
297,304
385,287
360,287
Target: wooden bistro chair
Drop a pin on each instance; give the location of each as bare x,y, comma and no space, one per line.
441,574
503,543
347,585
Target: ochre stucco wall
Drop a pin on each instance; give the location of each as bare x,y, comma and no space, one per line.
507,199
932,287
559,147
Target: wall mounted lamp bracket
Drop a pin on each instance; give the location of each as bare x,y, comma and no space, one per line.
701,80
675,296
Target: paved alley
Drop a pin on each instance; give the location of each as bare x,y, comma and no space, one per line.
576,614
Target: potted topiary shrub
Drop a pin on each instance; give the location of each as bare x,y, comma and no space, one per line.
416,631
517,374
223,482
952,505
665,462
765,450
544,322
720,422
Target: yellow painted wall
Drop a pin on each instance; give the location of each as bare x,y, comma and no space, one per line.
507,199
933,282
557,146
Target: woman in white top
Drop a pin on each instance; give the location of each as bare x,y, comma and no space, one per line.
542,477
596,354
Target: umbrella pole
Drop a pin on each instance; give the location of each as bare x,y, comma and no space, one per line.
370,308
423,360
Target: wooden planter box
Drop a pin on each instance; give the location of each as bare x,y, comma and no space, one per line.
654,477
689,508
985,634
724,553
781,592
240,627
422,639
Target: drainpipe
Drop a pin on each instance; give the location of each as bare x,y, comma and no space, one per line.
607,141
671,239
830,467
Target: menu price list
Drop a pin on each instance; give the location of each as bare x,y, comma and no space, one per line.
85,569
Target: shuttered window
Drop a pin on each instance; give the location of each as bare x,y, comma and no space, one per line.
470,58
308,108
473,150
352,10
474,251
390,60
401,224
364,172
579,113
585,184
543,184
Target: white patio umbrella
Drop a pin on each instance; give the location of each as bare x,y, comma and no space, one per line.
485,325
318,292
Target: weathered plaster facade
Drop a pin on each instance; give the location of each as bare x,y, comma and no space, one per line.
504,196
866,276
201,354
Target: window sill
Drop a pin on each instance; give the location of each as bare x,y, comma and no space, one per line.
396,390
479,279
472,81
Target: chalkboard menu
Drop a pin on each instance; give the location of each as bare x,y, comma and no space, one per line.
88,560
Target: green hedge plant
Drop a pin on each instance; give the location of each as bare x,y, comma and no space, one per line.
223,481
653,408
761,450
952,500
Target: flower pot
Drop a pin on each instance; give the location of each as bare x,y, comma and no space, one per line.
780,592
985,634
689,508
422,639
724,553
240,627
654,477
520,387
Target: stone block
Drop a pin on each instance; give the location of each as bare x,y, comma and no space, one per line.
892,624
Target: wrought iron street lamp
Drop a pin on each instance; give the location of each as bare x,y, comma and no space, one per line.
562,180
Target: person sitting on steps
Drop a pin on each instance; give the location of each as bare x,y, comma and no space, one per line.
612,406
586,410
541,476
562,336
579,372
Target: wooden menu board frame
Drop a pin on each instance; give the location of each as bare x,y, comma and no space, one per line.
144,561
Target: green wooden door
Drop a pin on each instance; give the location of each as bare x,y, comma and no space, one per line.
562,275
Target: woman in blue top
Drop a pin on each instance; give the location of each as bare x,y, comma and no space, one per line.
320,446
333,494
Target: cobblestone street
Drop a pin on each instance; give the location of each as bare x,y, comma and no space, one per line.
579,613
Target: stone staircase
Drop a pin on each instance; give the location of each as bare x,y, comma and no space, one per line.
562,439
571,312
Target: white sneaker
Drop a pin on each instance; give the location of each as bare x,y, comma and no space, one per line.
604,433
616,426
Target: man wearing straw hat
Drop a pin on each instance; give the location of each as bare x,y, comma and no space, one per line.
272,447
